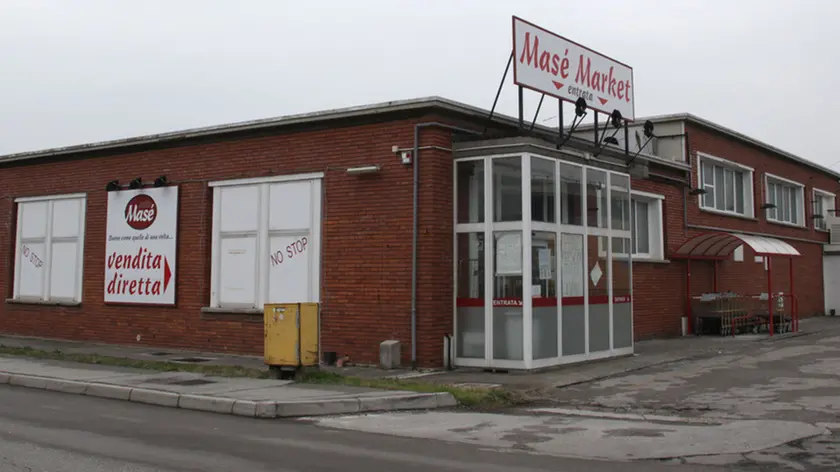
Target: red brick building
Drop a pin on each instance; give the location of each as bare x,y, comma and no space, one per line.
328,206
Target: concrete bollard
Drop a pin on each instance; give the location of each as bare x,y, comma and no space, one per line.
389,354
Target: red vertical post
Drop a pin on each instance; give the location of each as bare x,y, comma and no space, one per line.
770,291
794,315
688,329
715,289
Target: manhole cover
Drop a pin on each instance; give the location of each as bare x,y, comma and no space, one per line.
190,359
194,382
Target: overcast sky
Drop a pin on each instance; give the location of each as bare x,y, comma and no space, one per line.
79,71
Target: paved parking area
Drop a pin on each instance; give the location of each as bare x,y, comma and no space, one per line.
796,379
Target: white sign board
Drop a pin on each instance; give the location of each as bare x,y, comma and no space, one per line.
141,246
553,65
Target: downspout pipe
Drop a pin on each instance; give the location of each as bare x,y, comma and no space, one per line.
416,221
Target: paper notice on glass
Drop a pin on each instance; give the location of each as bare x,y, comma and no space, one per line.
544,263
536,290
509,254
571,264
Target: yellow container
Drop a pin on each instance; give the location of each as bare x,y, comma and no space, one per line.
291,334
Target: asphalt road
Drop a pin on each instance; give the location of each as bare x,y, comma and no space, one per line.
55,432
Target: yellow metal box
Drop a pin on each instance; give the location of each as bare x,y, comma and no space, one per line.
291,334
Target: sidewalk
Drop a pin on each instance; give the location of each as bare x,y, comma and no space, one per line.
260,398
284,398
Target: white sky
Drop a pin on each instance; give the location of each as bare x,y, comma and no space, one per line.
79,71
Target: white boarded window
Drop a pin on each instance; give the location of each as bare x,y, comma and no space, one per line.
49,248
266,239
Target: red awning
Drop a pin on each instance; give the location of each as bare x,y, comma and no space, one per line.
719,245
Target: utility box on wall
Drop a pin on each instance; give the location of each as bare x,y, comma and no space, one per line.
291,337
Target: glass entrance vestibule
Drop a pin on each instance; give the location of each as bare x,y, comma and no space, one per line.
542,262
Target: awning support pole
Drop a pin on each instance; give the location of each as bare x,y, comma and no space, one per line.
794,314
688,329
770,291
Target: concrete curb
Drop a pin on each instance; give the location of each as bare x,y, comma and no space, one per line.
232,406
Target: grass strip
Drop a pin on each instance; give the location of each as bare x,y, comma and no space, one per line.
474,397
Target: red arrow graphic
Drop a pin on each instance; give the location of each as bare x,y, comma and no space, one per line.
167,274
603,100
558,85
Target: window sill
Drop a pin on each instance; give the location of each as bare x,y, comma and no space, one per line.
642,260
231,311
789,225
726,213
23,301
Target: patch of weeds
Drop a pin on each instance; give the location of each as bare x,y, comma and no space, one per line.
160,366
474,397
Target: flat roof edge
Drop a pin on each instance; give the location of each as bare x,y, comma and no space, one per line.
280,121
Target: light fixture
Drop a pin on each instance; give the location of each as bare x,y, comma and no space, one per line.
817,216
580,107
615,118
161,181
768,206
697,191
136,183
648,128
359,170
112,185
611,140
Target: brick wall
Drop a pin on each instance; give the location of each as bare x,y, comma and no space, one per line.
659,288
366,260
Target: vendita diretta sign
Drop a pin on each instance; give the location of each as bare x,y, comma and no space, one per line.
141,246
551,64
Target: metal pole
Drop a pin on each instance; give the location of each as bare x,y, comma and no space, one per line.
770,291
560,124
596,128
794,321
688,295
627,140
498,92
521,109
542,97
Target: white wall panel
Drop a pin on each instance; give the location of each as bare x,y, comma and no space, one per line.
238,271
289,269
34,224
239,208
63,270
290,206
32,267
65,218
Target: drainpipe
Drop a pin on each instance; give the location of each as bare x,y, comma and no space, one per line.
690,182
415,223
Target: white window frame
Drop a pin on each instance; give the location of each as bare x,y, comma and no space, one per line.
263,236
748,174
768,177
656,234
824,195
47,241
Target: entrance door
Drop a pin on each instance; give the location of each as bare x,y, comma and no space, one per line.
831,282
